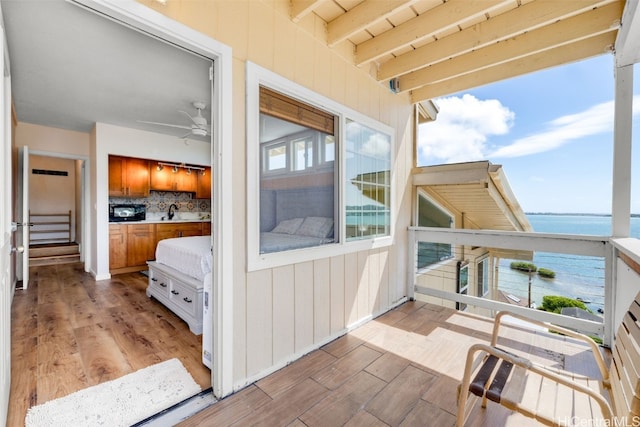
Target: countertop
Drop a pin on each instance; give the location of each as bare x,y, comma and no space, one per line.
159,221
160,218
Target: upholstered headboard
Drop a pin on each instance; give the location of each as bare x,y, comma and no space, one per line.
278,205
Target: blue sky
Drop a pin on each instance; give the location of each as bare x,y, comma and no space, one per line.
551,131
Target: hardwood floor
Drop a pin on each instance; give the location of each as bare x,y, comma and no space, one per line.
401,369
70,332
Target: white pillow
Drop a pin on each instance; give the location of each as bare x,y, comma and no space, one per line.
288,226
316,226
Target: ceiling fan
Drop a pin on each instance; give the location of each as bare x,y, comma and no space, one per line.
198,127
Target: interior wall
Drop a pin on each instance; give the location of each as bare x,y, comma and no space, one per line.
53,140
53,193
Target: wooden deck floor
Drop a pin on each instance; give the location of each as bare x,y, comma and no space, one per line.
401,369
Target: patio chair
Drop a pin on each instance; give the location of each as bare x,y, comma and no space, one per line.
552,396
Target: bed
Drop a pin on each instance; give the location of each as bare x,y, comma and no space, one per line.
297,233
176,277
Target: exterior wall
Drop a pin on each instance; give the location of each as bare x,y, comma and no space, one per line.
284,312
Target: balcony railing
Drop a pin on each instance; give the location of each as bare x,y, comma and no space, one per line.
595,253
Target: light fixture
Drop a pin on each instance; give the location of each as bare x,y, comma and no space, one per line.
175,166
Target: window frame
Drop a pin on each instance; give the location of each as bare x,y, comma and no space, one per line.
484,261
258,76
416,219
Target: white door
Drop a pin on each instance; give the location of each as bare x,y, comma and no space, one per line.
22,240
6,281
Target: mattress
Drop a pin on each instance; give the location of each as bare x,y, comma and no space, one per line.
276,242
189,255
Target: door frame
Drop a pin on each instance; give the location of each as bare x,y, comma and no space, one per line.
86,239
7,229
146,20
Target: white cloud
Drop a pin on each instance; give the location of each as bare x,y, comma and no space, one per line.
565,129
377,145
462,129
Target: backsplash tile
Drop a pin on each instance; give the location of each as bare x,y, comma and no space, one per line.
159,201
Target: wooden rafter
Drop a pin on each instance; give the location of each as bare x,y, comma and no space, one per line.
597,21
447,15
437,47
581,49
524,18
360,17
301,8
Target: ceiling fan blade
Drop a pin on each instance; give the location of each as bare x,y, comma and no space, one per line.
165,124
190,118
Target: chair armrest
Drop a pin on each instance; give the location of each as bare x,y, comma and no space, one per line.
604,371
532,367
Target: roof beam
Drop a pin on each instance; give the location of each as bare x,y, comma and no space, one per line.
426,25
524,18
362,16
582,26
301,8
577,51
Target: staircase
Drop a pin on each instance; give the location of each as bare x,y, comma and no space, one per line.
53,253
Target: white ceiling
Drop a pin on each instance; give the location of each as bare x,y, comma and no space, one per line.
71,68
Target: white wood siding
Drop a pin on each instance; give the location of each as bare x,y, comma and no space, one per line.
284,312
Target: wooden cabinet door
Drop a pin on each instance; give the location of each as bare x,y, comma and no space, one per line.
206,228
203,190
117,246
117,176
186,181
137,177
190,229
140,244
166,231
128,177
162,180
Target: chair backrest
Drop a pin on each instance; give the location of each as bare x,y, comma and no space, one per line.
625,368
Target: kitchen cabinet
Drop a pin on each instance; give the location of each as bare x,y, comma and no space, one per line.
117,246
128,177
203,190
131,246
178,229
168,180
141,244
206,228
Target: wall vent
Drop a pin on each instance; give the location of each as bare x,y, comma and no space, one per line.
48,172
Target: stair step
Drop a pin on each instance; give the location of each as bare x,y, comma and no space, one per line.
53,250
57,259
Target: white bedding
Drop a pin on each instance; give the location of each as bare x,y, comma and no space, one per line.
189,255
276,242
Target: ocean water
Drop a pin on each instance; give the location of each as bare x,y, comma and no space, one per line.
576,276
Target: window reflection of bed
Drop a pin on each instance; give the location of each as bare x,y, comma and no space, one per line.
297,233
295,218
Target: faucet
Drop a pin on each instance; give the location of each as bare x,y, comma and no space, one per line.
170,214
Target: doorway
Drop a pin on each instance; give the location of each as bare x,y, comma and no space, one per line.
56,209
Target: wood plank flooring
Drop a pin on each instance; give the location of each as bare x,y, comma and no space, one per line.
70,332
401,369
